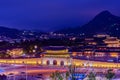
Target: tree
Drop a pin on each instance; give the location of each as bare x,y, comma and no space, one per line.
53,76
72,71
91,76
67,75
56,76
110,74
60,77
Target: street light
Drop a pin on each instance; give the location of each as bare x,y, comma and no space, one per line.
14,62
26,70
88,62
25,64
35,46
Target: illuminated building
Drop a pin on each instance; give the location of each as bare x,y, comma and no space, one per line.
57,56
90,41
16,52
101,35
112,42
60,56
113,54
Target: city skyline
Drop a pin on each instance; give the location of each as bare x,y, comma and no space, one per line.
52,15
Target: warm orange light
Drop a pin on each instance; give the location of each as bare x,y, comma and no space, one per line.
57,51
15,52
74,54
114,54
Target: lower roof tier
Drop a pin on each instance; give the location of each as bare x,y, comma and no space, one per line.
58,56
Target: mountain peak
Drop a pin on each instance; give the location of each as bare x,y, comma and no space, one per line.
104,14
104,22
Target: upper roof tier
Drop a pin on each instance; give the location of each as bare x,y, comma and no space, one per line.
55,49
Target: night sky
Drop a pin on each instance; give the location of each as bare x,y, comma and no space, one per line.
49,15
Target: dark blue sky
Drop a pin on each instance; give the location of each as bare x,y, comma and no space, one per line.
50,15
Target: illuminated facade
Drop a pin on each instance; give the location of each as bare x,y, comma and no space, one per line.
60,56
17,52
112,42
56,56
90,41
101,35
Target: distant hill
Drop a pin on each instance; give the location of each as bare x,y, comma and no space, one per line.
15,33
9,32
104,22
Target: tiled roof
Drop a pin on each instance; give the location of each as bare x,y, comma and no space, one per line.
54,48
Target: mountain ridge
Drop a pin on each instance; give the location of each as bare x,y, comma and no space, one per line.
104,22
16,33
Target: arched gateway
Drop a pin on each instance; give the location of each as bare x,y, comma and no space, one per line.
57,56
54,62
62,63
48,62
